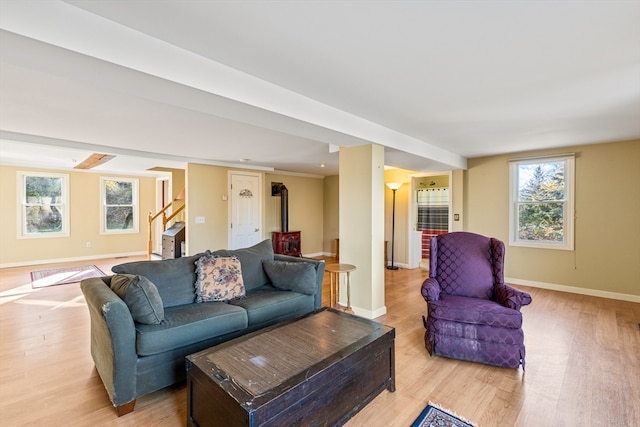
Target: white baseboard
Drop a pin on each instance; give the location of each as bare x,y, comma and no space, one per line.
399,264
574,289
316,254
370,314
61,260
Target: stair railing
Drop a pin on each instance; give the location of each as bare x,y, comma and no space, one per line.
165,221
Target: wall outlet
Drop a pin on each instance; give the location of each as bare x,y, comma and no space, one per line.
88,244
199,220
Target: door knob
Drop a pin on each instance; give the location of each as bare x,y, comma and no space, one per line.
256,230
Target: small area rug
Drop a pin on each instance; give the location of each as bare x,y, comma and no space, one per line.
435,416
62,276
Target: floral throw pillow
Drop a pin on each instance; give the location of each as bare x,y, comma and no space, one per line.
218,279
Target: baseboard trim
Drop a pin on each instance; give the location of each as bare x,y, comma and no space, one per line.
399,265
73,259
315,254
370,314
574,290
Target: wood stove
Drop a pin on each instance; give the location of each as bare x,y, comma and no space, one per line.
285,242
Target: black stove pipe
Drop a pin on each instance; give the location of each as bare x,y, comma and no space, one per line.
284,208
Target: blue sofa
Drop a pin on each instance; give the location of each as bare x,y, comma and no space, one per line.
137,357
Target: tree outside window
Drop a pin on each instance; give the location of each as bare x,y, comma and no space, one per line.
542,203
44,205
120,205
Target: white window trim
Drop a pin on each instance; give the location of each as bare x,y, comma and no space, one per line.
569,203
103,206
22,204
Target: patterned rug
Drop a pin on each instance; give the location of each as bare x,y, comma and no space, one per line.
62,276
435,416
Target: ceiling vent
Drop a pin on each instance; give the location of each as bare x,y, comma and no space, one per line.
94,160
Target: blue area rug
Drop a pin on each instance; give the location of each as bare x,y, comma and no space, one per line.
435,416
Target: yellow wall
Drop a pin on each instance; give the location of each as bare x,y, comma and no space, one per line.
405,222
362,226
457,204
331,217
84,215
205,187
607,229
207,184
403,204
306,201
606,258
435,181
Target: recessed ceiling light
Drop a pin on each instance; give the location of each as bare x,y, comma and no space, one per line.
322,165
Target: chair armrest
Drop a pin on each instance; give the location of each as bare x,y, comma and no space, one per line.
431,289
113,339
510,297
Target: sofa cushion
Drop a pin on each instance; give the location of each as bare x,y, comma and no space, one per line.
269,305
174,278
251,260
141,296
475,311
218,279
292,276
187,324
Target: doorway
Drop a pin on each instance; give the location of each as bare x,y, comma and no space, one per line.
245,209
433,204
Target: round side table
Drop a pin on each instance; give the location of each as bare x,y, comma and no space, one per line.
334,275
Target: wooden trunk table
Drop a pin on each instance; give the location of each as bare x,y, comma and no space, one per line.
318,370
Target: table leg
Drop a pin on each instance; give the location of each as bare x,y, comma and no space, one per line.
331,295
349,309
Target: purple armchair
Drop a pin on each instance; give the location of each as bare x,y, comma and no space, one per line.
471,314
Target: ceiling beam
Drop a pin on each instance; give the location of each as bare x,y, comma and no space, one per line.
272,106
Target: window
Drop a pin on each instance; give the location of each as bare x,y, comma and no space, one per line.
541,202
44,204
119,197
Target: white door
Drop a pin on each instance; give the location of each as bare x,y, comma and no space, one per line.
245,210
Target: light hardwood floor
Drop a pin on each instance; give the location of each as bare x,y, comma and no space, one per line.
583,365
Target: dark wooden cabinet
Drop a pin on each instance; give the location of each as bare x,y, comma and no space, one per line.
172,240
320,383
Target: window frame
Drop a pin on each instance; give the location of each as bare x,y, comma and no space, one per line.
568,203
103,205
21,184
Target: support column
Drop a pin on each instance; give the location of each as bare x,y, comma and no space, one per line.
362,226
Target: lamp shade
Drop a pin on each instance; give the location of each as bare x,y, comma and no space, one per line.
394,185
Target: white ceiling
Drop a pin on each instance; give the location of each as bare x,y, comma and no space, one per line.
282,83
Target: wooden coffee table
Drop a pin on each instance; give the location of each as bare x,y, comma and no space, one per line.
317,370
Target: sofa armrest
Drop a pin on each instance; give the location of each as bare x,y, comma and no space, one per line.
431,289
510,297
319,265
113,339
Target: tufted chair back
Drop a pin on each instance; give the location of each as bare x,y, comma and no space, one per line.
467,264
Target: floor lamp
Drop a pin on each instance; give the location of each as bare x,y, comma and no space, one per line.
393,186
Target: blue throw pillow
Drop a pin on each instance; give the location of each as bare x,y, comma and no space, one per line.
141,296
292,276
